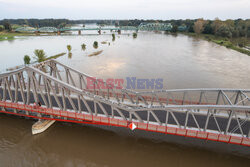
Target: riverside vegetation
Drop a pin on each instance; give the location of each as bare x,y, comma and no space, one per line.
233,34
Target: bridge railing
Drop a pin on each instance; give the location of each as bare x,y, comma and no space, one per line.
32,84
152,98
85,118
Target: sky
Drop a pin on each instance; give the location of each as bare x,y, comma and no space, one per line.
125,9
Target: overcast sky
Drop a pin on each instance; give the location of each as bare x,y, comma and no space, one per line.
125,9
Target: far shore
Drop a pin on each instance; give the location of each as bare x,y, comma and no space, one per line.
229,43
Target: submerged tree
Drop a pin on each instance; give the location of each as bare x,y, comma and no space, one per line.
26,59
113,37
83,46
134,35
39,55
69,55
95,44
69,48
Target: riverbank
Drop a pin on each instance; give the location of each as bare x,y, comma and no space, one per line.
4,35
11,35
229,43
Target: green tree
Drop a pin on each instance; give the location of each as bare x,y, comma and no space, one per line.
174,29
39,55
69,55
95,44
7,26
224,31
26,59
62,25
69,48
134,35
1,28
83,46
113,37
208,28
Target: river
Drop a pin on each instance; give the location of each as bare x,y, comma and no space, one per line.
181,61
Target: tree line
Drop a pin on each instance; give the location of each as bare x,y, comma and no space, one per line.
227,28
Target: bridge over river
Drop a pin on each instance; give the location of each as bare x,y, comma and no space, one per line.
141,27
200,116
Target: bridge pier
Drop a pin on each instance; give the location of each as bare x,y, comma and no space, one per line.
58,32
100,32
79,32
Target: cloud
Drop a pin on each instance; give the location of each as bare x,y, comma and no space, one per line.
124,9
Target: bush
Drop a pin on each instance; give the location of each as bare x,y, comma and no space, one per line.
134,35
95,44
40,55
83,46
26,59
113,37
69,47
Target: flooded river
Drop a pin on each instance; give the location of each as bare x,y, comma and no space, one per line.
181,61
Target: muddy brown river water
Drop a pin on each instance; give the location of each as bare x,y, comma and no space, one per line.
181,61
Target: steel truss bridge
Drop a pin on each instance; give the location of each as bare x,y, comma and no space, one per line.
211,114
141,27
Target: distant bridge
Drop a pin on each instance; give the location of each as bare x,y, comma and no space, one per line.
141,27
220,115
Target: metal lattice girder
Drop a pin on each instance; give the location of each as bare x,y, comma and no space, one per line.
155,27
128,28
142,27
25,29
47,29
55,85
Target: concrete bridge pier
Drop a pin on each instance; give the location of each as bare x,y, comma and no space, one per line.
58,32
79,32
100,32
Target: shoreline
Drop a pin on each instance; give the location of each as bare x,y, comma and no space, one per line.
220,41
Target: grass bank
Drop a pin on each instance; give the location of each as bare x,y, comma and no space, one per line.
4,35
229,43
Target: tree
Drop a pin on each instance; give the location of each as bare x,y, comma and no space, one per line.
191,28
62,25
39,55
113,37
224,31
26,59
95,44
174,29
134,35
1,28
7,26
83,46
216,24
69,48
208,28
199,26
